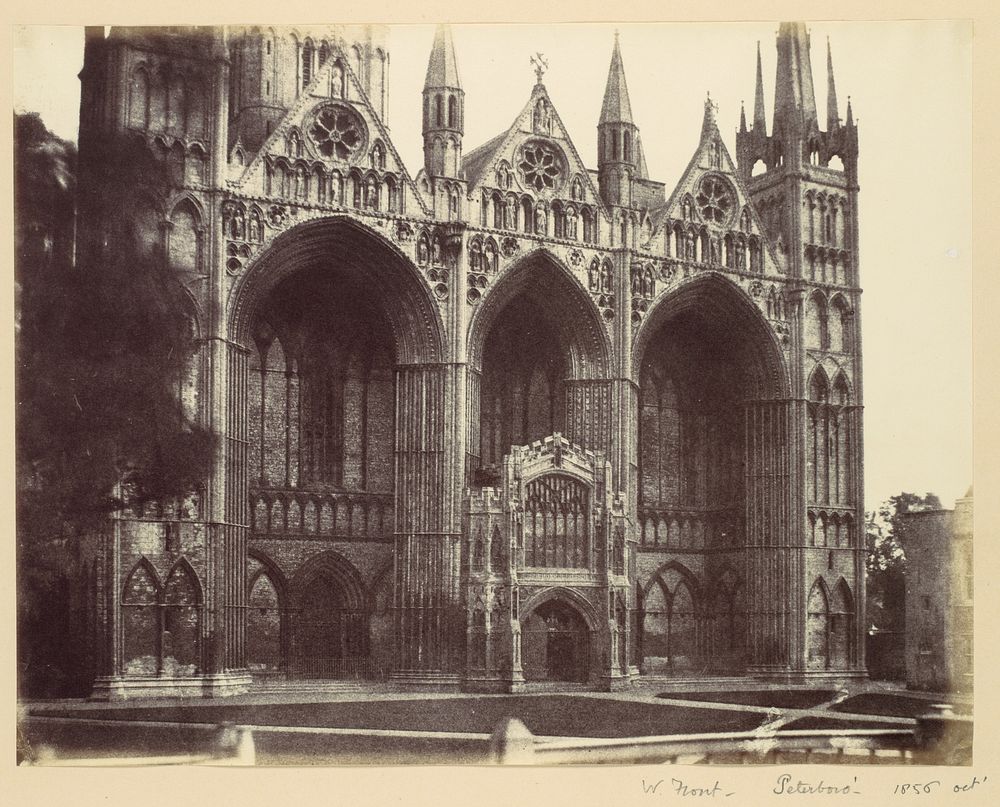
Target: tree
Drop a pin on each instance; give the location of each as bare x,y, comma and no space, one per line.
886,560
101,346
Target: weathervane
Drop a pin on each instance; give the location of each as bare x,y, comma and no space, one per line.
541,64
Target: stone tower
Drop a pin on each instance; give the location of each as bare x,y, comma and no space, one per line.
806,196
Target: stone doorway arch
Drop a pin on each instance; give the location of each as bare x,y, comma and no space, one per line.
557,643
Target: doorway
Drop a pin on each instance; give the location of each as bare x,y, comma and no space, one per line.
556,644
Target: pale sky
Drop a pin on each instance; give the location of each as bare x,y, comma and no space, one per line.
911,87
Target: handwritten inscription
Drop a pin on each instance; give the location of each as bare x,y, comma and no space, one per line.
787,784
801,787
935,785
678,787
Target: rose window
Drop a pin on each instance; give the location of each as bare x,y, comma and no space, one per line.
715,200
337,132
540,166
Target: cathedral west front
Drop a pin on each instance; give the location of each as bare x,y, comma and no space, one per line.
525,415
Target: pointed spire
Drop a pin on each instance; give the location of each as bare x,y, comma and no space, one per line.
710,123
616,107
759,116
832,112
442,67
641,171
850,113
743,118
794,99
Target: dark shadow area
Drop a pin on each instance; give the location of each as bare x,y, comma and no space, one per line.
788,699
878,703
554,715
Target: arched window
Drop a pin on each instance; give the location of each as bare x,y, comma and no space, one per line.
556,523
818,629
183,234
627,146
438,111
527,215
181,618
392,195
138,116
336,188
588,225
452,112
817,325
614,144
176,104
307,63
558,220
669,639
141,622
324,53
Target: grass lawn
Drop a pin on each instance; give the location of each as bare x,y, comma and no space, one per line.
880,703
780,699
556,715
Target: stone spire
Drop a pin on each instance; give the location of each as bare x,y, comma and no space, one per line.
710,122
616,107
618,153
759,116
444,108
794,98
832,112
442,67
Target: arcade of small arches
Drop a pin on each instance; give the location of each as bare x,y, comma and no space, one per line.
168,101
740,249
571,220
371,189
829,323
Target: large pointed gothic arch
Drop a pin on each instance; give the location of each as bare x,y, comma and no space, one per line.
345,244
369,284
539,363
720,302
541,274
716,448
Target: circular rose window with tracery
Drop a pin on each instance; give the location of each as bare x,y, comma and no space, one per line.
338,132
541,166
715,200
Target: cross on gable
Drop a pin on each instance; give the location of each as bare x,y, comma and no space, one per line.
540,64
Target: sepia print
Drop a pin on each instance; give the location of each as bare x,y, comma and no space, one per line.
503,451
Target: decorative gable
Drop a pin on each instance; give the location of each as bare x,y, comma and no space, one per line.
709,217
332,149
531,178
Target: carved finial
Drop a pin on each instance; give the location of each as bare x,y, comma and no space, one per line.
540,64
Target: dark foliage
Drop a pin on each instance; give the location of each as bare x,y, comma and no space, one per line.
886,561
101,347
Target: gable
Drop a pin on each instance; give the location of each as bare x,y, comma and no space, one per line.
711,197
331,137
535,157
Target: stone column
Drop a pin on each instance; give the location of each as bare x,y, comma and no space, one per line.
773,510
427,603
